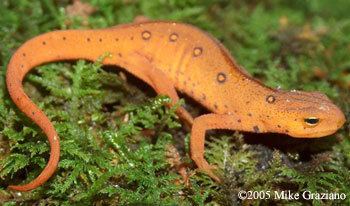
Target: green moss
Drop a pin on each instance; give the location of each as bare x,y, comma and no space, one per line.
107,156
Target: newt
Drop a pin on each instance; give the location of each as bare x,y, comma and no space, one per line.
171,57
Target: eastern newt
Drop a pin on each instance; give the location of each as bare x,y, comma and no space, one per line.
173,56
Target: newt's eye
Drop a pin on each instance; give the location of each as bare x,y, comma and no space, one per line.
311,121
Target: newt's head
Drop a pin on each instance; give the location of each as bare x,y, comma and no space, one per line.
305,114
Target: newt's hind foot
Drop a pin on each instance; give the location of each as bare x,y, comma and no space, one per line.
208,169
174,159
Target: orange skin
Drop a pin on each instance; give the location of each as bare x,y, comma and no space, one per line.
173,56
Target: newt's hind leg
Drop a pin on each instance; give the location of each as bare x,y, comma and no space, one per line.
144,69
162,84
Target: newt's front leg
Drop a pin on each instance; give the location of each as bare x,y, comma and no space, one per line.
216,121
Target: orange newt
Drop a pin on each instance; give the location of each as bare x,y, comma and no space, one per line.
173,56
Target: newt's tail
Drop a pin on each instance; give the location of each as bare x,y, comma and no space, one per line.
45,48
14,85
49,47
15,88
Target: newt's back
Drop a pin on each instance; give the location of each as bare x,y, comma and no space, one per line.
197,63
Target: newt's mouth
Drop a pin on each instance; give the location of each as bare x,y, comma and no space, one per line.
317,134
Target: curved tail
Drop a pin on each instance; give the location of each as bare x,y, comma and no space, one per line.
58,46
14,76
53,46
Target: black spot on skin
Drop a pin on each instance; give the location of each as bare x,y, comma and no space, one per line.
267,116
287,131
116,39
17,98
120,55
33,113
88,39
132,38
100,40
64,38
226,106
221,77
24,54
247,102
215,106
270,99
256,129
22,66
146,35
235,111
279,126
197,51
239,121
44,42
173,37
249,114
